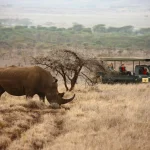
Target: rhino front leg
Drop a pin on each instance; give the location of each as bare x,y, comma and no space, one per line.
42,97
1,91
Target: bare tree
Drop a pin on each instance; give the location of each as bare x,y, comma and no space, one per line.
68,64
65,63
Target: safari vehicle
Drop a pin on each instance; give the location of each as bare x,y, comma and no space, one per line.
134,76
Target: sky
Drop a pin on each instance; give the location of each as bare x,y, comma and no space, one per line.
86,12
78,3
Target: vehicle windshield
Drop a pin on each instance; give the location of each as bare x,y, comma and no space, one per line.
144,70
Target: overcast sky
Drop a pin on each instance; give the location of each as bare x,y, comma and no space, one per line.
109,12
77,3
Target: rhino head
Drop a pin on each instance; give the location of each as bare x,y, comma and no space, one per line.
55,98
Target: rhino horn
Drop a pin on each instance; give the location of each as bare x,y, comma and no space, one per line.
64,101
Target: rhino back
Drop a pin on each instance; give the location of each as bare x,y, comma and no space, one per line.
17,80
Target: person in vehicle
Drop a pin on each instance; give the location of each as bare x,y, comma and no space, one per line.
111,67
144,72
123,70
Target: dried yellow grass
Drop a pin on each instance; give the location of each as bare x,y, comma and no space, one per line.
102,117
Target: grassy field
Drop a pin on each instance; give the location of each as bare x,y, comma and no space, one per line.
102,117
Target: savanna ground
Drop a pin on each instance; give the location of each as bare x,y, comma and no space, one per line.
101,117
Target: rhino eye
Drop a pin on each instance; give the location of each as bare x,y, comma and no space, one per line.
55,80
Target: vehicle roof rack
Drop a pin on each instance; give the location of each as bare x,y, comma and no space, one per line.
124,59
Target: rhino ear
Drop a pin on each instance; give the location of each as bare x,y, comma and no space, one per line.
55,80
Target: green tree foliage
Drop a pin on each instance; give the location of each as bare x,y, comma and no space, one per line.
88,30
77,27
76,36
144,30
113,29
124,29
1,25
99,28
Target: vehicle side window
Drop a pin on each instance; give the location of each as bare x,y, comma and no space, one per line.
141,70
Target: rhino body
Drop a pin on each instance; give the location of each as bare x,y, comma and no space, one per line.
19,81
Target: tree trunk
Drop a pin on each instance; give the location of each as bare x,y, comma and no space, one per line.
74,79
65,83
73,82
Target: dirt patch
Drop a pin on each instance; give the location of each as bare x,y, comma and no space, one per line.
13,123
16,120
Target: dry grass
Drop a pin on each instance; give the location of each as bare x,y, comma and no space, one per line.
102,117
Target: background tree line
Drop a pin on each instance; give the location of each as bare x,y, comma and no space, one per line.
99,36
